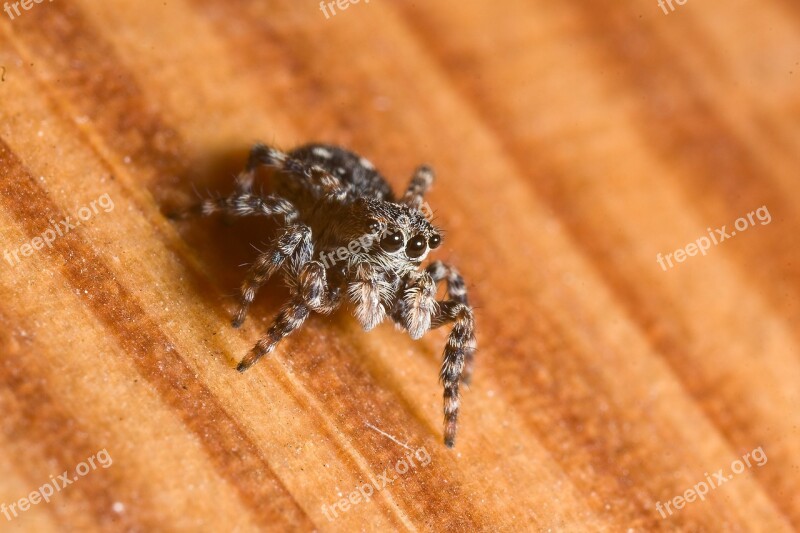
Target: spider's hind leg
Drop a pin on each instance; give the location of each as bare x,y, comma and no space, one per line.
311,175
260,155
242,204
421,181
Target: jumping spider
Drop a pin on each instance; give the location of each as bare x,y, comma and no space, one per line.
326,199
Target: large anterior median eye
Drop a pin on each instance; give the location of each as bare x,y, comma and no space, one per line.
392,242
416,246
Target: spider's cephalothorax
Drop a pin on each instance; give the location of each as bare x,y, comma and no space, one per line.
344,237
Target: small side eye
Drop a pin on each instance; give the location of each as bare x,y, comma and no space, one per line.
416,246
392,242
435,241
373,225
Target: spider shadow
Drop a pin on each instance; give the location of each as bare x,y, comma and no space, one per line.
225,245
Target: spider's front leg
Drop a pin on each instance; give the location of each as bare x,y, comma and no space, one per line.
417,304
369,291
417,311
461,346
456,288
456,291
310,292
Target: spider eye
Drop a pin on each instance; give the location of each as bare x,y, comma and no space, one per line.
373,225
416,246
392,241
435,241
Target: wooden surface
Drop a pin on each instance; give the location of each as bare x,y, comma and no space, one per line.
574,141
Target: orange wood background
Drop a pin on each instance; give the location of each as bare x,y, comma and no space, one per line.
573,141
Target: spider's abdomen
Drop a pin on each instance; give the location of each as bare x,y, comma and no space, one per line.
357,174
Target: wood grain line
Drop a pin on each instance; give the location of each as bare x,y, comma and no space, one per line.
646,305
43,432
246,469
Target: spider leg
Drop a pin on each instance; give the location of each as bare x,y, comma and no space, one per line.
313,287
259,155
314,176
417,305
310,292
289,318
456,291
242,204
295,243
421,181
460,345
368,292
456,288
